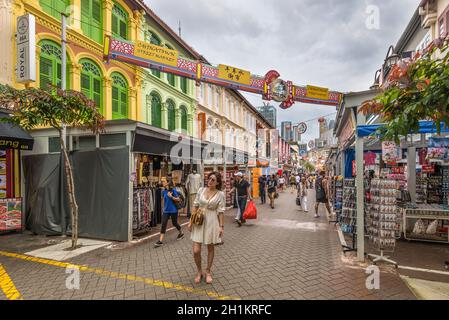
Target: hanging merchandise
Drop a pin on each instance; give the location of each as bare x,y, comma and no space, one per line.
390,152
383,226
348,218
438,149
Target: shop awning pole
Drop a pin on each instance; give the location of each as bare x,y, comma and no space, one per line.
411,173
360,195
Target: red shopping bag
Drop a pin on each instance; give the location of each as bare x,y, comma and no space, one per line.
250,211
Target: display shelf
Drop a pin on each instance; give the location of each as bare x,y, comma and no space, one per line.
425,237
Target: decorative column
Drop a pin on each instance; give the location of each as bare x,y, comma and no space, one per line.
135,25
139,105
107,16
75,75
164,116
132,112
148,108
190,124
178,120
107,98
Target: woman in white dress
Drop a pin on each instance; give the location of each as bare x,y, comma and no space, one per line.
211,231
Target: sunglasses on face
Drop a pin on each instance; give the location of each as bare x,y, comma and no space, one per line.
213,179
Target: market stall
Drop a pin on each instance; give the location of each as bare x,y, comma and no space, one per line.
414,221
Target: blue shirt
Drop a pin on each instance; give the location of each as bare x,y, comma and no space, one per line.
169,205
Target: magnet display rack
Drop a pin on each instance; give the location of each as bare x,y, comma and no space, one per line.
383,226
348,217
337,187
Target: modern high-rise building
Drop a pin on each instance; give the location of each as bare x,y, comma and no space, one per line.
287,131
269,113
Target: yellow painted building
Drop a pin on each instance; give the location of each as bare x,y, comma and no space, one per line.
115,86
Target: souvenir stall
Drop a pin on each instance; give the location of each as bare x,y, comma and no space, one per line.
13,140
409,200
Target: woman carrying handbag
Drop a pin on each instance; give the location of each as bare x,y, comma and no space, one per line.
207,223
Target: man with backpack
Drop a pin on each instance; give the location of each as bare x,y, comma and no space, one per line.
322,193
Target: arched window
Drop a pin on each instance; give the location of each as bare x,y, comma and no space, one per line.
54,7
92,82
153,39
119,96
50,63
218,133
209,136
156,110
91,19
183,111
171,115
119,22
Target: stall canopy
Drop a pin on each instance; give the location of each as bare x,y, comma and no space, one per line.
424,127
13,136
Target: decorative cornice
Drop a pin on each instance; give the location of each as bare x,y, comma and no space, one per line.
108,5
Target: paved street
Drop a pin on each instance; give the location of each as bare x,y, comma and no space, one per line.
285,254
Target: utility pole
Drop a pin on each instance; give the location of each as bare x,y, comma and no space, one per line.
179,28
64,68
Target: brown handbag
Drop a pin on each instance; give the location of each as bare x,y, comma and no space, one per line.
197,218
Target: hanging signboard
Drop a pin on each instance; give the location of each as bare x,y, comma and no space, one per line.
302,128
438,148
390,152
317,93
159,54
26,49
271,87
234,74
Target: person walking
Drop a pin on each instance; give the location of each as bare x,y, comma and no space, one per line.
262,188
271,187
281,183
170,195
243,194
193,184
322,193
302,193
211,231
292,183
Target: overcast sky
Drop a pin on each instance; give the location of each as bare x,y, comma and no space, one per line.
317,42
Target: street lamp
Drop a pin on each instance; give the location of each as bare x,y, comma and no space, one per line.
376,83
392,58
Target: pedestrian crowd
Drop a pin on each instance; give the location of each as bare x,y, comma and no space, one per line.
206,224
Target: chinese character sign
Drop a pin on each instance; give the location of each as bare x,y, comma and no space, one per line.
234,74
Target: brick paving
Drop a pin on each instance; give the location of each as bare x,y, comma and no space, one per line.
286,254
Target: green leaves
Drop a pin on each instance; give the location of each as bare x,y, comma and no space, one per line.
32,108
416,91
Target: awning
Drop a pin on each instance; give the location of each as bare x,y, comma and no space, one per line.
424,127
14,137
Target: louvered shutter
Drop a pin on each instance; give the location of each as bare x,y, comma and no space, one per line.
123,28
96,21
115,97
114,24
85,85
97,93
45,73
123,104
85,17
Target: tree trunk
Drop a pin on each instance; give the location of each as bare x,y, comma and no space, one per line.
71,192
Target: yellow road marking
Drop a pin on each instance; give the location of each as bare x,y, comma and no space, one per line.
8,286
106,273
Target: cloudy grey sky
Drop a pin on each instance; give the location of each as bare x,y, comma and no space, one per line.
316,42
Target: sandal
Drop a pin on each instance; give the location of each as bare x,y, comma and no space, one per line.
199,278
208,278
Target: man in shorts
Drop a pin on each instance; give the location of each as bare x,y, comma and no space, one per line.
322,193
